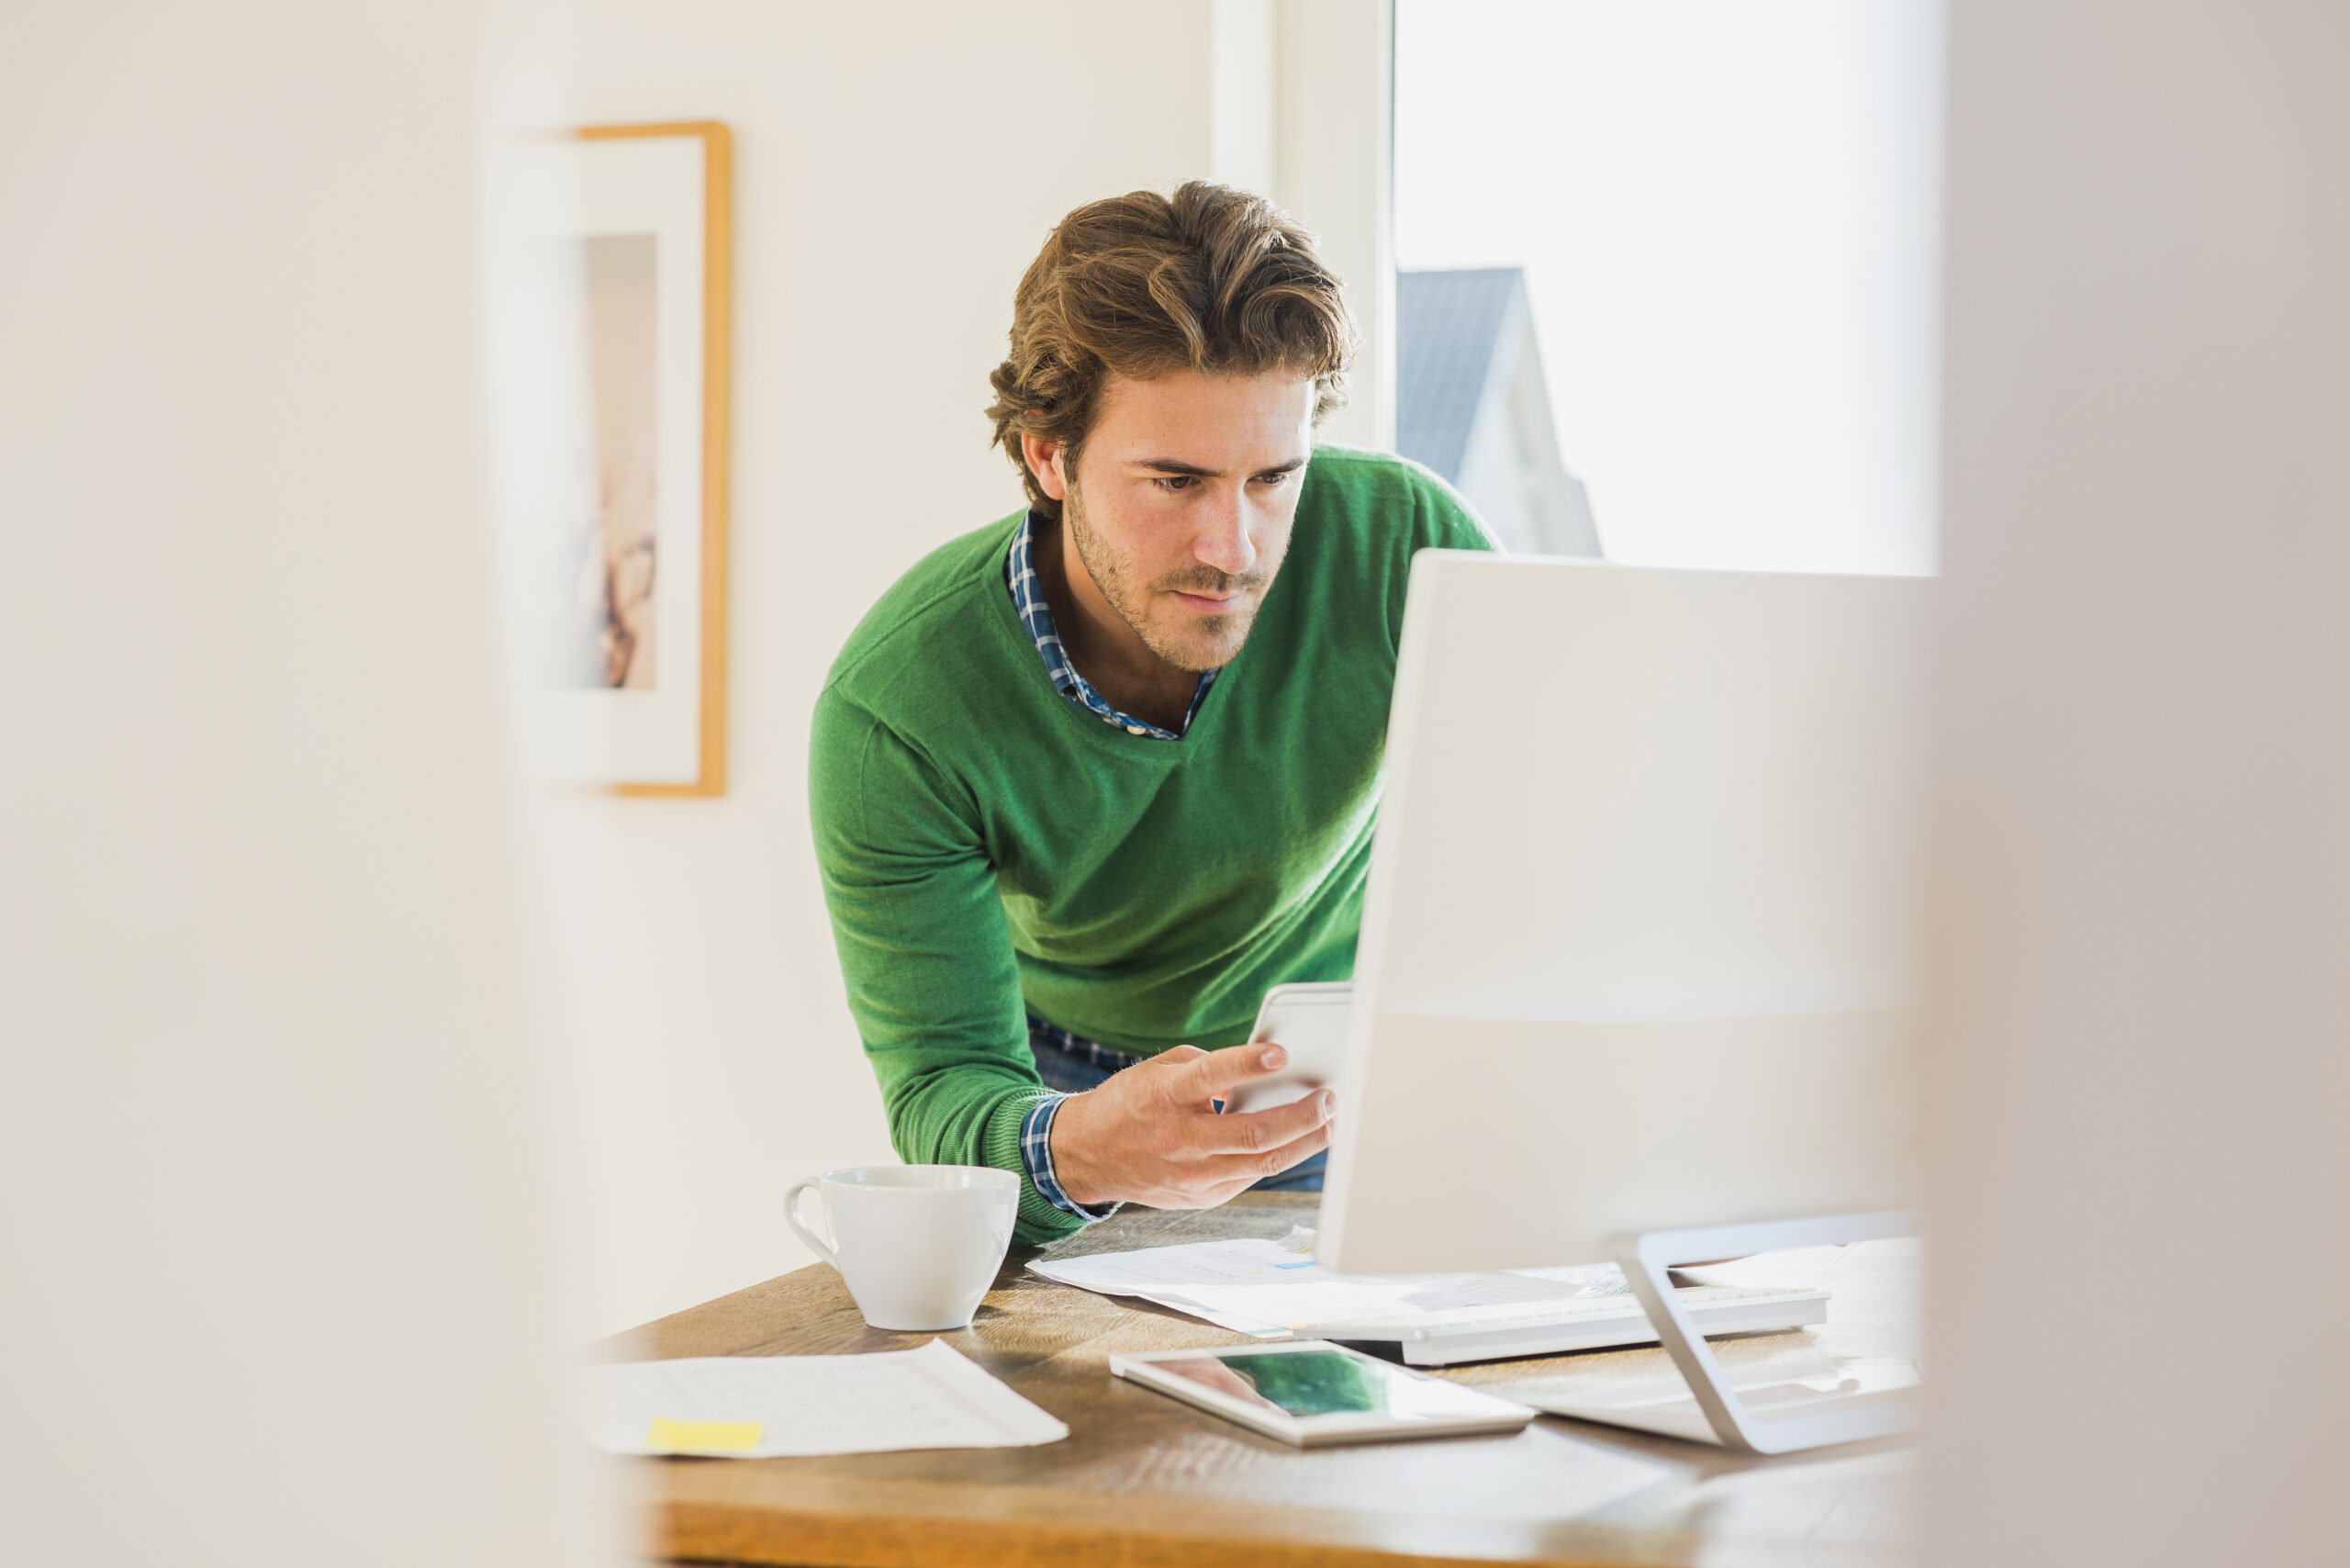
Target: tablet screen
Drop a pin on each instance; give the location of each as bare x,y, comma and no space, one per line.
1302,1384
1309,1383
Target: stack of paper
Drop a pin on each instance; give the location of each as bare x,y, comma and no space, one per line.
757,1407
1271,1288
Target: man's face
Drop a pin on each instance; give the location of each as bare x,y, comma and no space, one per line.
1181,504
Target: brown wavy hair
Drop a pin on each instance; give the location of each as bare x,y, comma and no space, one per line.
1210,279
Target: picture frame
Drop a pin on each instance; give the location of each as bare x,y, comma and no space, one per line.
632,633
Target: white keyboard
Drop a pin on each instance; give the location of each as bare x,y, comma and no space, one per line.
1446,1336
1574,1309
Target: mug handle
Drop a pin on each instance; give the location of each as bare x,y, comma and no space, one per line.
791,1213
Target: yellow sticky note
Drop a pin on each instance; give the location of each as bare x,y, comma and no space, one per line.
703,1437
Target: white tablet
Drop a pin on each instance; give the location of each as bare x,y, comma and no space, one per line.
1309,1020
1314,1393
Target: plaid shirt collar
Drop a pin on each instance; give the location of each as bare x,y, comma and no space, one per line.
1028,598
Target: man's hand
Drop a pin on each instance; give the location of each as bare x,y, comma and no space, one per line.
1150,1134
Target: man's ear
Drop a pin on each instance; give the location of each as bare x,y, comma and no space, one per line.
1044,460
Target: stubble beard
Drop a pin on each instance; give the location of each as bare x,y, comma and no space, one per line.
1218,638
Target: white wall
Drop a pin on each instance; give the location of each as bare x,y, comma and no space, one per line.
2142,1071
1334,134
897,170
278,1275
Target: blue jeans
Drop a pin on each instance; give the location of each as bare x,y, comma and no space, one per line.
1074,1066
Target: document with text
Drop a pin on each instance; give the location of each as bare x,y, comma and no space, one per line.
761,1406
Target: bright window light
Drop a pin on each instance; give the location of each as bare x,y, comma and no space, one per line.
1727,215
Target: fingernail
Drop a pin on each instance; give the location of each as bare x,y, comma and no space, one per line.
1273,1056
1327,1102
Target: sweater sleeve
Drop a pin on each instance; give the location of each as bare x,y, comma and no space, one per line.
925,951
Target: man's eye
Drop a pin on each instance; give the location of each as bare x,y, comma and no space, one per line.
1176,481
1282,478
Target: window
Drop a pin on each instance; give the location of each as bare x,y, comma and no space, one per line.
1700,238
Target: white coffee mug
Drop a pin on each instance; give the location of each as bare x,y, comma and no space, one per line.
917,1244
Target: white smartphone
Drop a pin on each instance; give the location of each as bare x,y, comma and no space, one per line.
1315,1393
1309,1021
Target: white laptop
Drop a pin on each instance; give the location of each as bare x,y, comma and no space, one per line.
1310,1021
1637,968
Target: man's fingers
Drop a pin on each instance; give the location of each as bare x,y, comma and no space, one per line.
1216,1072
1289,1154
1239,1172
1166,1077
1259,1131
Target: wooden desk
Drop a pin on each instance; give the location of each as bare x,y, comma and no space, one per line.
1145,1482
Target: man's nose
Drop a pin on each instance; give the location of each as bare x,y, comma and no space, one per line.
1226,545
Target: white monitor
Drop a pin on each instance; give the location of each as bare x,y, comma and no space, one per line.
1636,948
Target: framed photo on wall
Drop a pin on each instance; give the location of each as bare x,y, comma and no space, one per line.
632,627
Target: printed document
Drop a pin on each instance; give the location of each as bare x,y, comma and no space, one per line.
1270,1288
759,1407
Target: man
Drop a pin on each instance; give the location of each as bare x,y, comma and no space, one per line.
1089,781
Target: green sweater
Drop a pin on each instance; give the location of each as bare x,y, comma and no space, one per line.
988,849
